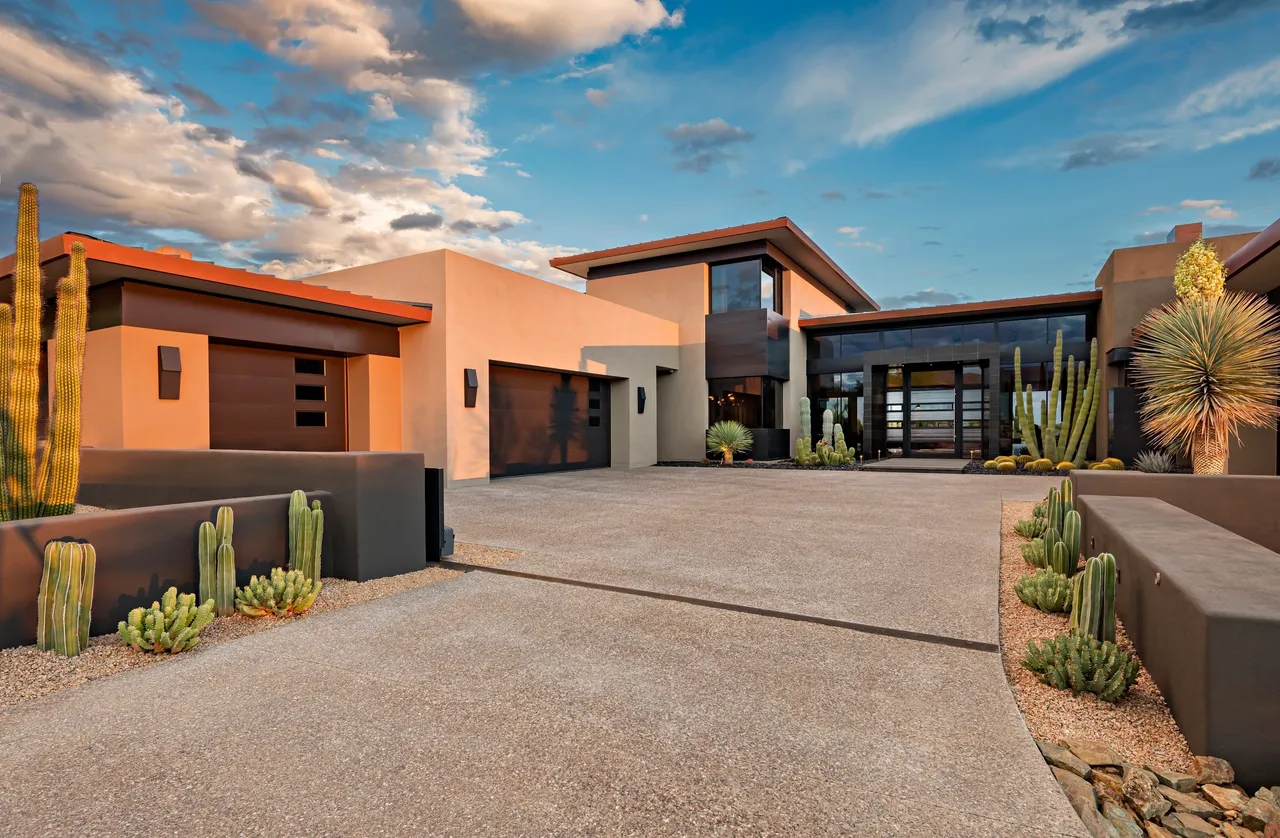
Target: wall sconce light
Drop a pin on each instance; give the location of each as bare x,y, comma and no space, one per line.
170,365
472,384
640,400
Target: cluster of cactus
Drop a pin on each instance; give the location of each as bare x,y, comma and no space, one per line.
1093,598
1081,663
1007,467
1046,590
306,532
281,594
171,625
1042,464
65,600
831,450
1030,527
1065,466
1109,464
1062,551
218,562
31,489
1067,441
1033,553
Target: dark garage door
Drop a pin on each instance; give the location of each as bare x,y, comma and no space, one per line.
268,400
546,421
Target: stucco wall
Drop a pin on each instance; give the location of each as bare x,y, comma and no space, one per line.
803,298
678,295
121,404
373,403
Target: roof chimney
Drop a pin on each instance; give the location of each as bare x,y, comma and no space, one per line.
166,250
1186,232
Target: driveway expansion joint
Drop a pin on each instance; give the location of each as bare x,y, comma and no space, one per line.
863,628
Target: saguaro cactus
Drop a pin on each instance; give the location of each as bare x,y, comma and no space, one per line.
30,489
306,532
66,597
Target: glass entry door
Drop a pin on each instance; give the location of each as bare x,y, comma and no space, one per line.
931,421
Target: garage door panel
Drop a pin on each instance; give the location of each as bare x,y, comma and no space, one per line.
259,400
543,421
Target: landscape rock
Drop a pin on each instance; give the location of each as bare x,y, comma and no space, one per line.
1059,757
1259,812
1272,831
1108,786
1141,790
1124,823
1175,779
1268,795
1230,830
1225,798
1188,826
1191,804
1155,830
1095,753
1082,799
1212,770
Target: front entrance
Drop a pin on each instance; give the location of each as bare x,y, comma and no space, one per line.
939,410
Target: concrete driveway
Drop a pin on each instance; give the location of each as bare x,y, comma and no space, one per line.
495,706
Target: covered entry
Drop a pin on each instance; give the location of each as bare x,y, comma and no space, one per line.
542,421
273,400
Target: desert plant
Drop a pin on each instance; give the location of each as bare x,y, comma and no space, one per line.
828,425
1078,662
1206,367
1093,609
1065,465
281,594
1030,527
1023,459
31,489
218,562
1115,462
1199,274
989,464
1007,467
1154,462
1068,440
1041,464
65,601
1038,511
1033,553
1071,527
1100,467
728,438
306,534
171,625
805,456
1046,590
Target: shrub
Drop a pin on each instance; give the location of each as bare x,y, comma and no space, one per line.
282,594
1080,663
1115,463
1033,553
1007,467
728,438
1153,462
1045,590
989,464
171,625
1030,528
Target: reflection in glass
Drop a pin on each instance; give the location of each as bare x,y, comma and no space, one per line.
1072,327
936,336
897,339
979,333
735,286
1015,332
753,401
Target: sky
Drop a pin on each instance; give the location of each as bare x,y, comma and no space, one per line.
939,151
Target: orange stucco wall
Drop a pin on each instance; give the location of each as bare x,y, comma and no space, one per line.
803,298
374,404
121,405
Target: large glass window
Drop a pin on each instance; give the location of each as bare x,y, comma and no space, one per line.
936,336
1023,332
855,344
739,286
754,401
979,333
1072,327
897,339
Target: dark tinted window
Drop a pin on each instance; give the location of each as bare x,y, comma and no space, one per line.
936,336
755,401
1072,327
826,346
310,419
1028,332
855,344
978,333
308,392
897,339
308,366
735,286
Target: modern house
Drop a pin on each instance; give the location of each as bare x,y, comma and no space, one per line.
489,372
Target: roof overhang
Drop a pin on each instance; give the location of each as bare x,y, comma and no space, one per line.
1017,305
780,232
1256,266
108,262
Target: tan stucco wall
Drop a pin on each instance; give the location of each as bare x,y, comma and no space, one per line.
802,297
374,406
482,314
678,295
121,404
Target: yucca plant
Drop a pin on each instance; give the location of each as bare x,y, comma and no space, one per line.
1206,366
728,438
1153,462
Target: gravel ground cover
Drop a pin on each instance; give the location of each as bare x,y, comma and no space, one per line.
976,467
1139,725
27,674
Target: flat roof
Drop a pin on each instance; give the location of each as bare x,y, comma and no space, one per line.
109,262
782,233
1256,266
1015,305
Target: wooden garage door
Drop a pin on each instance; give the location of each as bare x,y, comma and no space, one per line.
546,421
265,399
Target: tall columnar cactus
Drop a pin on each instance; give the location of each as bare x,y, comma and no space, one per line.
828,424
806,418
1055,510
207,549
1094,598
31,489
66,597
218,562
1022,407
1071,538
1052,538
1068,440
306,533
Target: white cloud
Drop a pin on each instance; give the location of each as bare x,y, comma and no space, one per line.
1221,213
523,173
327,154
852,232
644,217
1235,91
1212,208
853,238
381,107
582,72
567,26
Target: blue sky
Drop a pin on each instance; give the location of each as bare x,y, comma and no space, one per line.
940,151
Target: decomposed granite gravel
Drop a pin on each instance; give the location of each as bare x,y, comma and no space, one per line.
26,673
1139,725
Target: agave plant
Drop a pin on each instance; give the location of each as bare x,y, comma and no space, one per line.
728,438
1206,366
1153,462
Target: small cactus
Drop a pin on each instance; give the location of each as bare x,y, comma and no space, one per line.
1041,465
283,594
172,625
1100,467
1007,467
1114,463
1033,553
306,533
1023,459
1065,466
1030,528
1046,590
218,562
1094,598
65,601
991,464
1078,662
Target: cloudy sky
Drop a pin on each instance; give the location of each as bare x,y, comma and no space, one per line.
938,150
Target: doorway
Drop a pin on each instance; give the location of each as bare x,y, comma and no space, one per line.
944,410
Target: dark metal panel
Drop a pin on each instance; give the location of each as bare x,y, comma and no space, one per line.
546,421
748,343
254,404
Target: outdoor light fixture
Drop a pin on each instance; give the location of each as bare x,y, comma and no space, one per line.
640,400
170,366
472,383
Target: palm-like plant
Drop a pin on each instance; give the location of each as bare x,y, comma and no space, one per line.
1207,366
729,438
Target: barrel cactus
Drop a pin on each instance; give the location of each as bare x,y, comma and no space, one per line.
1115,463
990,464
1046,590
1007,467
1066,465
282,594
171,625
306,533
1078,662
65,601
